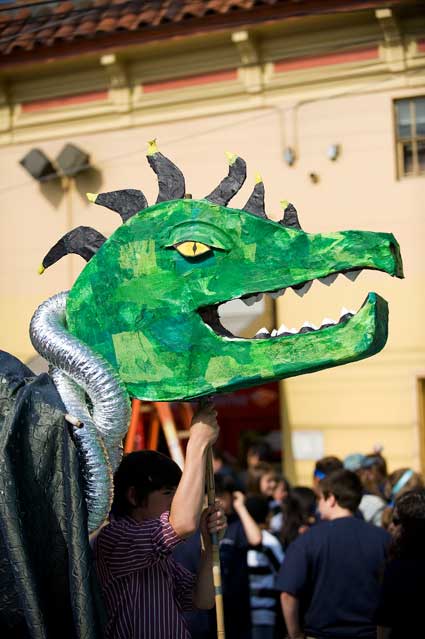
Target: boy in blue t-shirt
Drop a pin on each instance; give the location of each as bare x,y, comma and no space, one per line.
330,575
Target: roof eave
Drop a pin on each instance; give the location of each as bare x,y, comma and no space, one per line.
118,41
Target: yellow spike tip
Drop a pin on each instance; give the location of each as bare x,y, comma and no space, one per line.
258,178
231,157
92,197
41,269
283,204
152,147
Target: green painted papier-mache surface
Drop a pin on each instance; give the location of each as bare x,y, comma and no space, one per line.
137,301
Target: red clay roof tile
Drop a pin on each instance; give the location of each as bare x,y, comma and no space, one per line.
65,31
106,25
63,8
96,19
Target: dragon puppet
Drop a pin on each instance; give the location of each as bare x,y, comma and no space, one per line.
143,320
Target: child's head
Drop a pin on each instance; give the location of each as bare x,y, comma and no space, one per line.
145,480
377,466
257,453
408,525
324,467
299,510
340,490
399,482
282,489
262,480
258,508
224,489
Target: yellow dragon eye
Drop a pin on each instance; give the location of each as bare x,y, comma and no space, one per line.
192,249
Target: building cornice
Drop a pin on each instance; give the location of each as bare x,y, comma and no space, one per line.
240,71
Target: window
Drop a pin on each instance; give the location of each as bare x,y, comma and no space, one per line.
410,136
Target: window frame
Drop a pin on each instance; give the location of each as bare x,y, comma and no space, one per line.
413,140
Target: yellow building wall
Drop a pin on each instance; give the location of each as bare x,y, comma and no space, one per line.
371,402
355,406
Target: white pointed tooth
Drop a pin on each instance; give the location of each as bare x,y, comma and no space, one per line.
309,325
283,329
352,275
250,301
274,333
327,320
303,290
263,332
275,294
328,279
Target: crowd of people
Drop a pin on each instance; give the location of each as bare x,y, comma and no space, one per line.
338,559
355,574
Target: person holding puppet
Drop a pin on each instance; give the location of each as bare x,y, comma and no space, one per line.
155,508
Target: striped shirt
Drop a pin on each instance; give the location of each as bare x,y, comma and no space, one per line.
263,565
145,590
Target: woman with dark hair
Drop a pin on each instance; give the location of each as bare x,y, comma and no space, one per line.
298,510
262,480
400,613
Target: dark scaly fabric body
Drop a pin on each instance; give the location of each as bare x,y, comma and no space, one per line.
45,560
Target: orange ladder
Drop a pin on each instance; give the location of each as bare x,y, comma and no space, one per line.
147,418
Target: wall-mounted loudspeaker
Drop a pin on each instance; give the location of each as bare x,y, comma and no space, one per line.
38,165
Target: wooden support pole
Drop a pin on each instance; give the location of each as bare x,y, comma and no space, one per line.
154,433
170,432
219,611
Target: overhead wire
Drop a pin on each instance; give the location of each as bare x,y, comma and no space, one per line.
267,111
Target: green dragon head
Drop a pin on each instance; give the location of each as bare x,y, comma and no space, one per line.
148,299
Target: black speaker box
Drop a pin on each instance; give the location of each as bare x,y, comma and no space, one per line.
38,165
72,160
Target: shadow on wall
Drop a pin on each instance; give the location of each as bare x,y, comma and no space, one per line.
88,181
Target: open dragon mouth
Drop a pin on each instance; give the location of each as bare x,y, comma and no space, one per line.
210,315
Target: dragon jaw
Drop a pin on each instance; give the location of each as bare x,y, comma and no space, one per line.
152,312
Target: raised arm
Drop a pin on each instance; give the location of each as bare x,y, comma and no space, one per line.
252,530
188,501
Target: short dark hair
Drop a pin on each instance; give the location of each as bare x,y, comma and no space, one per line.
258,508
328,465
217,454
147,471
262,449
224,484
345,486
